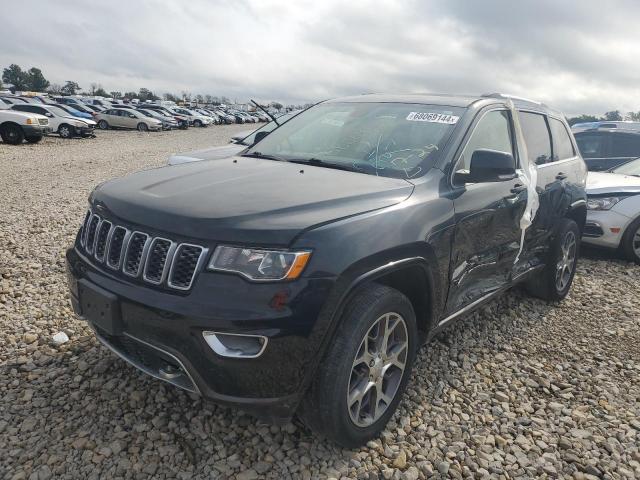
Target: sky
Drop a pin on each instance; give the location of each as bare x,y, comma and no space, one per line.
580,56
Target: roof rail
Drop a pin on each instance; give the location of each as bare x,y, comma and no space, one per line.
512,97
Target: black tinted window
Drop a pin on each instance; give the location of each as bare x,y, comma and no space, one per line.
591,145
562,146
536,136
625,145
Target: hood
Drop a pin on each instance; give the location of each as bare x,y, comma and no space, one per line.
213,153
244,200
81,120
602,183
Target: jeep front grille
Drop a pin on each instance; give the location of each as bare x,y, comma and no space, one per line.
155,260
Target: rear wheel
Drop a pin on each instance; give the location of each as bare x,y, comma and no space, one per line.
361,380
631,241
554,281
33,139
103,125
142,127
65,131
11,134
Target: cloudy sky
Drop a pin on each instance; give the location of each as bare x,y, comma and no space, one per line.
580,56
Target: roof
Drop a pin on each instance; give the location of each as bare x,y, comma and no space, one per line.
444,99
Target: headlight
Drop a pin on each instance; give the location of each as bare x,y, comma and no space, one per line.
602,203
257,264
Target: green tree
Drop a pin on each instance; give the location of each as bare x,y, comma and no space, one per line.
115,94
70,88
36,80
276,105
14,75
170,97
633,116
146,94
613,116
582,119
55,88
130,95
101,92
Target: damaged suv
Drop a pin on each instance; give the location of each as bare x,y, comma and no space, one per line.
302,275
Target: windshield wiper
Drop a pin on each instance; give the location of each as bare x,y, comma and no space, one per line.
263,155
322,163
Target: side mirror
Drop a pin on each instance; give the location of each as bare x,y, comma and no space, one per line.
488,166
131,115
259,136
49,114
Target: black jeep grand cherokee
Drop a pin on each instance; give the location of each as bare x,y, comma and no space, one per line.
302,275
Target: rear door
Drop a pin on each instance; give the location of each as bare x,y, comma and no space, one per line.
487,215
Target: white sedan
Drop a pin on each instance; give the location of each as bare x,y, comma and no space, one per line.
613,215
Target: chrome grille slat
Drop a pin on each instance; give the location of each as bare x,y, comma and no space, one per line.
91,232
134,257
102,235
117,240
184,266
154,260
159,258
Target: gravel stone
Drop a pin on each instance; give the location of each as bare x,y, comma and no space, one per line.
518,389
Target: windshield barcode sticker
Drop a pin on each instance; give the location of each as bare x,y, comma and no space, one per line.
432,117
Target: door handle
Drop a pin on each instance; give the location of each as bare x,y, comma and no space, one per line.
561,176
517,188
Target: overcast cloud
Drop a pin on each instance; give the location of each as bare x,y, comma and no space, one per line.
580,56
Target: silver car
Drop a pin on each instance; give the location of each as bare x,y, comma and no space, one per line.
127,118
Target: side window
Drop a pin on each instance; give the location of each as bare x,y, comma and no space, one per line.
591,146
493,132
625,145
562,146
536,136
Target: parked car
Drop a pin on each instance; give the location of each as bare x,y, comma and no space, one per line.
237,144
75,111
183,121
168,123
15,126
196,119
303,275
613,216
61,121
625,125
127,118
607,148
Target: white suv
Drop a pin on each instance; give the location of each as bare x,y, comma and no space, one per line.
17,126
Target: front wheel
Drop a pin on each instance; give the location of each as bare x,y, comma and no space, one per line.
554,281
11,134
65,131
142,127
103,125
360,382
631,241
197,123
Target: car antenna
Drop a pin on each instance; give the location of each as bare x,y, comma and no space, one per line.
265,111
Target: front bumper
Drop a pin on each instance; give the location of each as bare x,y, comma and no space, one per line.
162,332
84,131
35,130
605,228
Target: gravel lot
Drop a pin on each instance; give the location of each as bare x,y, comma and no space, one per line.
519,389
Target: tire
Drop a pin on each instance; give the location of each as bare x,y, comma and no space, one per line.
12,134
554,281
197,123
34,139
327,408
65,131
142,127
631,241
103,125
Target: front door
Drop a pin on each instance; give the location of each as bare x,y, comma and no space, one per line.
487,233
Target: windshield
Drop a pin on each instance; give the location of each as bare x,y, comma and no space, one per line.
631,168
387,139
58,111
269,127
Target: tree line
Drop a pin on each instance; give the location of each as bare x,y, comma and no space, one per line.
34,80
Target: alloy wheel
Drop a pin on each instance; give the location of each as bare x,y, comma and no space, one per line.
635,242
377,369
65,132
566,263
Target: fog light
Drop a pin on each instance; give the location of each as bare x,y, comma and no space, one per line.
235,345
